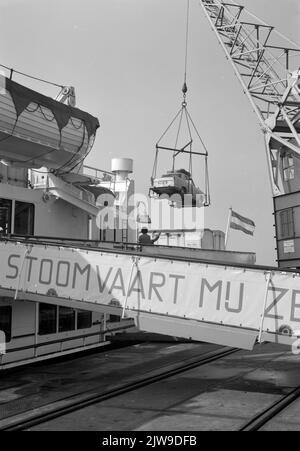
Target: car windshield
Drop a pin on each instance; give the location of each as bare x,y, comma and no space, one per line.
168,175
183,171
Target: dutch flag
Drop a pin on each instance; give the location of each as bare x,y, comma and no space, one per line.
241,223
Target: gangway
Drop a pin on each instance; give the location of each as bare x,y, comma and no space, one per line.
216,302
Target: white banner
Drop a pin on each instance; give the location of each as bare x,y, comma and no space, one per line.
210,293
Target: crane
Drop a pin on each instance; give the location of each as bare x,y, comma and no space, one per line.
265,63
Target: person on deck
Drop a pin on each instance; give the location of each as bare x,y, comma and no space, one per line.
146,239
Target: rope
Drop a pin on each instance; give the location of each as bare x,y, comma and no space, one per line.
188,124
52,119
191,160
183,113
177,136
268,281
34,110
154,167
77,127
68,162
179,128
207,185
168,128
12,71
77,163
198,134
191,139
135,261
187,41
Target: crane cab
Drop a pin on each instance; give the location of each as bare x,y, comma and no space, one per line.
287,214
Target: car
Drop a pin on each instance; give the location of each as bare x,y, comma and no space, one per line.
177,182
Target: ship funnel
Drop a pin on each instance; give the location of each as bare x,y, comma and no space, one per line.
122,167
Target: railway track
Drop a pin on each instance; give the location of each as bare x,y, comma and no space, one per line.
60,408
263,418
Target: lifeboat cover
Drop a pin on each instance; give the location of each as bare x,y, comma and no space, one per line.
36,130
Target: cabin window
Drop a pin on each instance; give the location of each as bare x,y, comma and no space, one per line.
288,168
47,319
24,218
84,319
66,319
287,228
114,318
5,216
5,321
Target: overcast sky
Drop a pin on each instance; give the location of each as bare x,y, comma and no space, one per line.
126,60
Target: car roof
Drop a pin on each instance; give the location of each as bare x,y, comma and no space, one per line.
183,171
176,172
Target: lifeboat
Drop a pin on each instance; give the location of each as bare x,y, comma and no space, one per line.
37,131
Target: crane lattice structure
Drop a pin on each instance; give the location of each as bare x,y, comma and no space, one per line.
267,65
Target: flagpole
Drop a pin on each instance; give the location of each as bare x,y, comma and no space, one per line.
228,227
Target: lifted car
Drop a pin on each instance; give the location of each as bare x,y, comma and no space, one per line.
177,182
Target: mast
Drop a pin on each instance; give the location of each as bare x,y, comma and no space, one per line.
267,66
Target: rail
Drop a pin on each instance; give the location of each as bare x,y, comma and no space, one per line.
48,412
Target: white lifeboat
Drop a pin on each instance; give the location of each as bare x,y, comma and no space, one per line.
37,131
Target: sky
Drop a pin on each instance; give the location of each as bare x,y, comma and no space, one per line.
126,61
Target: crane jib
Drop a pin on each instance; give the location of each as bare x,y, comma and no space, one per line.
267,66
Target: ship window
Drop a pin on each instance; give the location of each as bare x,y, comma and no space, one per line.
47,319
288,168
114,318
84,319
5,216
287,229
24,218
66,319
5,321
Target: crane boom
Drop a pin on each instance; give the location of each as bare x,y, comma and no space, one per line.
267,66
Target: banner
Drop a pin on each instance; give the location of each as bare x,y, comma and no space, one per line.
188,290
